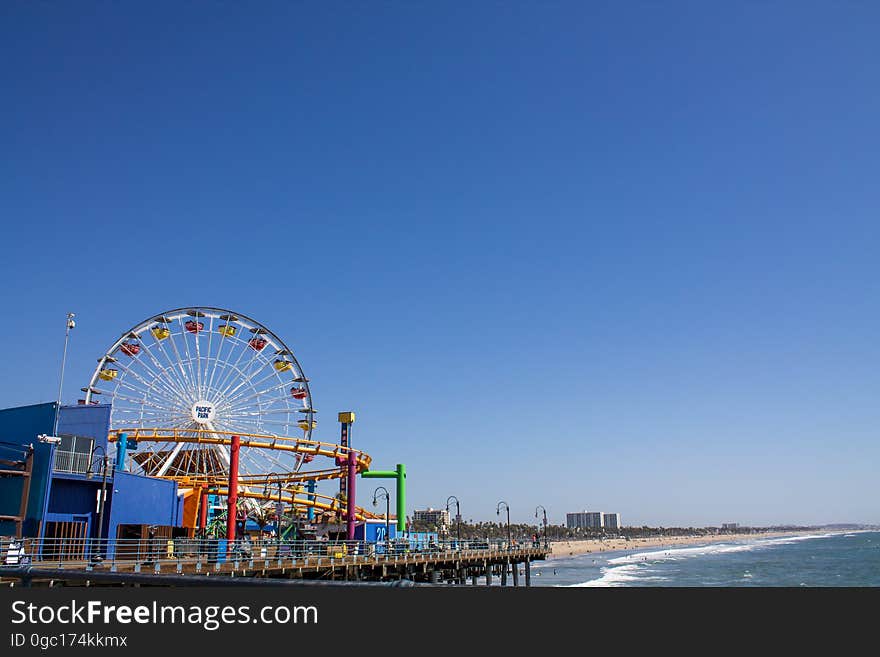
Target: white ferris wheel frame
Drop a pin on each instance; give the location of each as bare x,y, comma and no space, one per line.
161,386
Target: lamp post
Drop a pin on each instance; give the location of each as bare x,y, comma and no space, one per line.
457,516
387,509
279,509
545,523
105,461
70,324
498,512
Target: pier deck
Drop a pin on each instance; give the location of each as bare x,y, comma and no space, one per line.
340,562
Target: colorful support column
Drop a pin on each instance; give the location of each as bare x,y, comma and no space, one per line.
401,497
400,475
346,419
232,500
121,449
203,510
352,478
310,486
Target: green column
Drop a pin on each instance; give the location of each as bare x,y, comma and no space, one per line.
401,497
400,475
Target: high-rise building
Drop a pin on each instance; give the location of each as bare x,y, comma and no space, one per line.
611,520
584,520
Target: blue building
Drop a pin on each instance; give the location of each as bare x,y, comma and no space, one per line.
63,498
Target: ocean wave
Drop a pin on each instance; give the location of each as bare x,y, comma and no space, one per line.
674,554
620,576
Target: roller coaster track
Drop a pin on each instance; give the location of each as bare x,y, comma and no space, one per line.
290,480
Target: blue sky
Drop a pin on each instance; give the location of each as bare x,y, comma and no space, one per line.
604,256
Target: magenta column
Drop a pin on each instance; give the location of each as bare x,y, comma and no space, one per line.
352,478
232,500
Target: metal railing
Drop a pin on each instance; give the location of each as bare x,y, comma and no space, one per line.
199,554
71,462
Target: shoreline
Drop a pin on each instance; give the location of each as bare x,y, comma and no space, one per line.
568,548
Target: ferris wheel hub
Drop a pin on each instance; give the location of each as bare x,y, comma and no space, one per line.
203,412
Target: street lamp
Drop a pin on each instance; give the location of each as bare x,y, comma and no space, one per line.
70,324
498,512
90,472
279,509
457,516
545,523
387,509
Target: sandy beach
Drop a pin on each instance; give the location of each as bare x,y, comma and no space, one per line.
571,548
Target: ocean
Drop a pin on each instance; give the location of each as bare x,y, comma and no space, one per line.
820,559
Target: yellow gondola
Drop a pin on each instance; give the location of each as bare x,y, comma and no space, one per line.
282,365
227,331
304,424
108,374
160,332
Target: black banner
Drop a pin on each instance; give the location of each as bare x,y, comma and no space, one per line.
376,619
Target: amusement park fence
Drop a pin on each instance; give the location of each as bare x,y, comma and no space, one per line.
174,553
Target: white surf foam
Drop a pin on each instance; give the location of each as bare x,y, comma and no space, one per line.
620,576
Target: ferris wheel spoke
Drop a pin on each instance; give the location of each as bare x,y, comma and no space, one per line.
160,375
121,381
208,356
215,394
169,459
265,391
175,370
179,361
263,400
257,356
265,416
224,339
228,380
186,363
183,332
198,362
230,390
254,385
139,401
130,370
154,404
262,363
154,414
140,362
229,367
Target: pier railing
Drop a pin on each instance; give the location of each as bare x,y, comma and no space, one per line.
205,554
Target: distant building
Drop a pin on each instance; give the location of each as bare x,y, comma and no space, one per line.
611,520
436,517
730,526
584,520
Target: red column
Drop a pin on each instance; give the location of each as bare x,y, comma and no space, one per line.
232,500
203,510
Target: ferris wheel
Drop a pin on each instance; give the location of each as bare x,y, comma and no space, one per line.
204,371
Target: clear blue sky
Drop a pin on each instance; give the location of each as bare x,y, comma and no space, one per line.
606,256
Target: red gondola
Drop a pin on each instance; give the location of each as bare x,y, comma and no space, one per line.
298,393
193,326
130,348
258,343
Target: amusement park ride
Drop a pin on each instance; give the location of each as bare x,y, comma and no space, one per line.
219,403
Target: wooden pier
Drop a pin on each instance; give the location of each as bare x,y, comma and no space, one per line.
504,566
